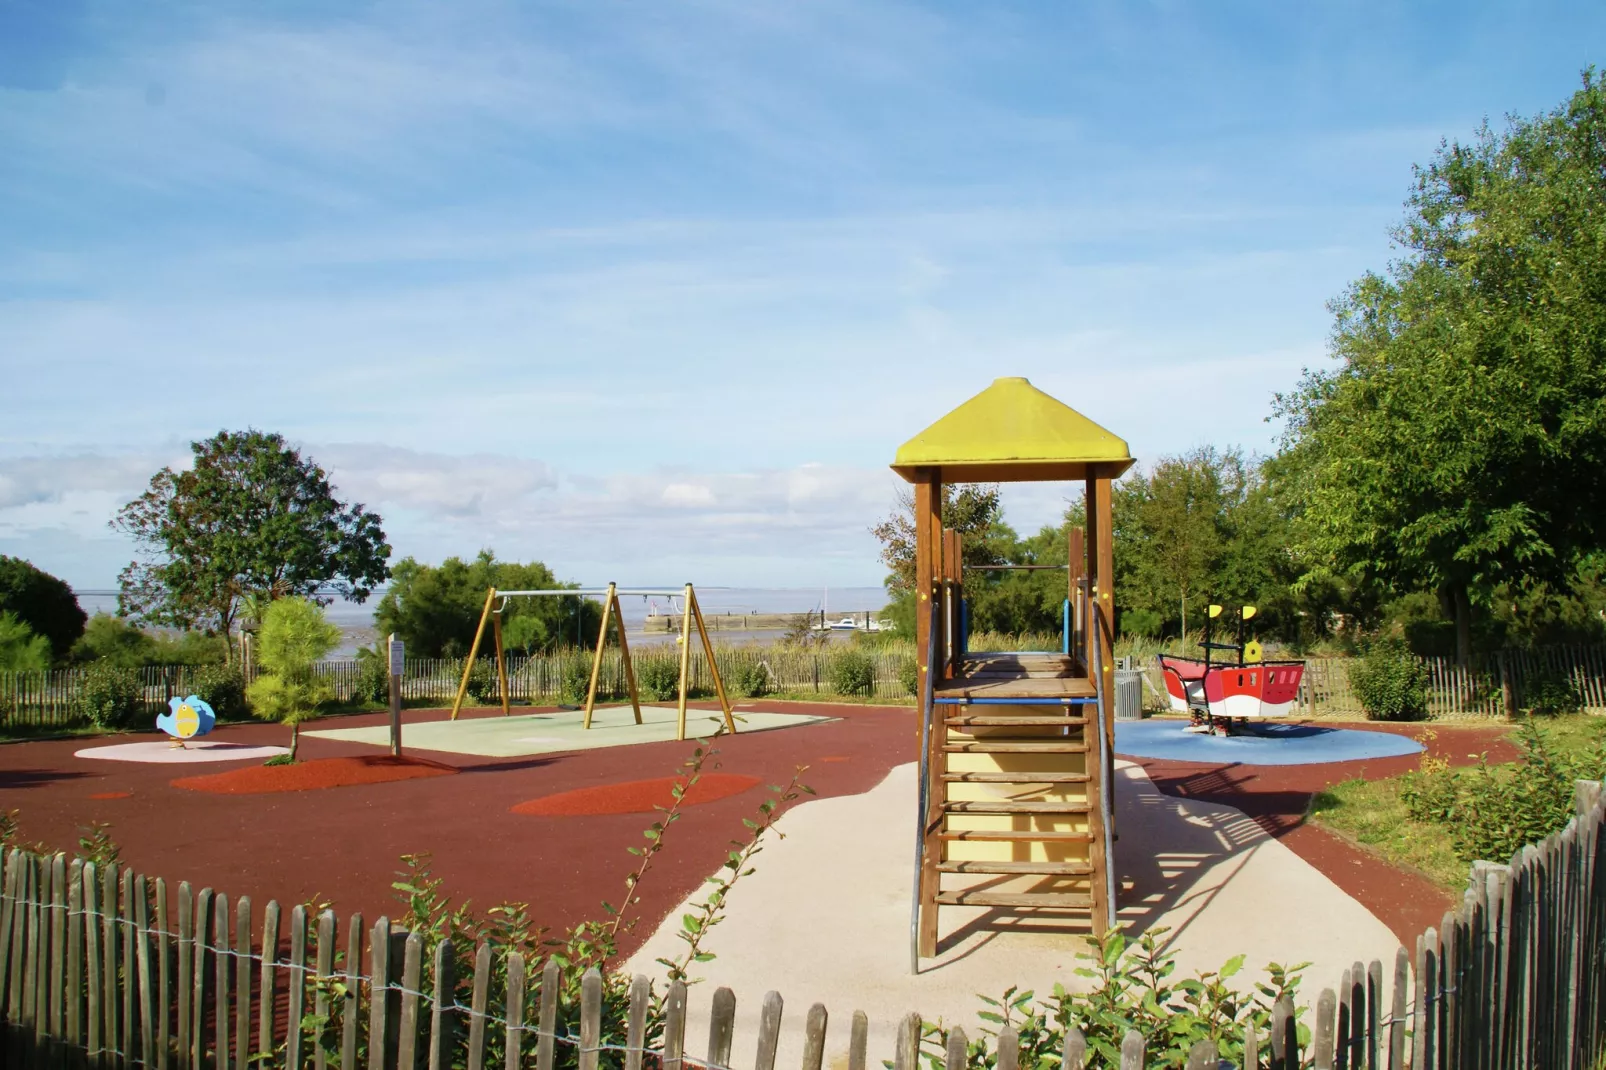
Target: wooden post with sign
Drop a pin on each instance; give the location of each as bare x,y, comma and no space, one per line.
397,653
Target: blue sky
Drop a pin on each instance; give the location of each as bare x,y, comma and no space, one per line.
652,291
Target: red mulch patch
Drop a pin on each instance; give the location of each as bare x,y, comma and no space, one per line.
320,773
635,796
112,795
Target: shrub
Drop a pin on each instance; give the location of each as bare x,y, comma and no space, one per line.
373,675
752,680
1130,987
575,680
853,673
109,697
1491,812
1390,684
909,676
221,687
1549,692
658,678
483,686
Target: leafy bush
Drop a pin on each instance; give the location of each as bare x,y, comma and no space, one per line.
752,680
853,673
221,687
1549,692
483,686
1131,990
109,697
575,680
1491,812
909,676
373,675
20,649
658,678
1390,683
294,636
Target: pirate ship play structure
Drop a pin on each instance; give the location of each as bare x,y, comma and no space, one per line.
1015,808
1217,695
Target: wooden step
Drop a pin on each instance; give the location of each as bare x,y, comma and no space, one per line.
1002,806
1048,745
1015,899
994,720
1044,869
1015,836
1015,778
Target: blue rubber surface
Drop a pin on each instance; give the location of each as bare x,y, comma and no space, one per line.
1258,744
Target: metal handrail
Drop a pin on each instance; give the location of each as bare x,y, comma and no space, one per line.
1106,767
927,706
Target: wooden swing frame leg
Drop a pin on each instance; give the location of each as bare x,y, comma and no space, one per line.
713,669
611,611
501,663
473,652
685,663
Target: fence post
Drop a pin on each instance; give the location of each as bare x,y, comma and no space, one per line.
1508,694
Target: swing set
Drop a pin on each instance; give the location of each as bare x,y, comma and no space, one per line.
496,603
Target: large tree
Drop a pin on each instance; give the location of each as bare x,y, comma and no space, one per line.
1460,445
42,602
435,609
250,517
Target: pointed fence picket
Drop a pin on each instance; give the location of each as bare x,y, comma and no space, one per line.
90,976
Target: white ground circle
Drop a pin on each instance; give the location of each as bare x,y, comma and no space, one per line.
196,750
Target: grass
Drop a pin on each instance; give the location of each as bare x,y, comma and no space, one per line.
1373,815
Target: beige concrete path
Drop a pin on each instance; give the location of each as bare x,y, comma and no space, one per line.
826,918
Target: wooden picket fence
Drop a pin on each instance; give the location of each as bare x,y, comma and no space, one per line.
1493,686
52,698
98,970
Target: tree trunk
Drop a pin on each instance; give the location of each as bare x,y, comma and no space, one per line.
1463,624
295,738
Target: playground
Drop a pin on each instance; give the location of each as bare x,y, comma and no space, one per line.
1037,819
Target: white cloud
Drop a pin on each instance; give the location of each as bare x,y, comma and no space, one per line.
731,526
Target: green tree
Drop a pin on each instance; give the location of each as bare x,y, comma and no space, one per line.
42,602
20,649
971,509
1459,446
115,641
251,516
436,609
1172,525
293,638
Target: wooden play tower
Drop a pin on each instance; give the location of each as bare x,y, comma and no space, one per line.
1015,809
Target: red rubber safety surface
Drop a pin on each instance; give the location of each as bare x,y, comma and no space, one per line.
344,844
313,775
636,796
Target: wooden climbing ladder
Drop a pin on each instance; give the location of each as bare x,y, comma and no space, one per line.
1015,811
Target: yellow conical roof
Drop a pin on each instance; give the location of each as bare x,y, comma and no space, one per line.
1012,431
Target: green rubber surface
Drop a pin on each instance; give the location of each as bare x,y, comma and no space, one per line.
550,733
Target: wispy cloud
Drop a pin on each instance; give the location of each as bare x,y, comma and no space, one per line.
592,279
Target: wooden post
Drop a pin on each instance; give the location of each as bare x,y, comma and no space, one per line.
1076,561
708,652
596,660
928,549
468,666
953,592
685,663
624,658
1101,653
501,663
393,658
